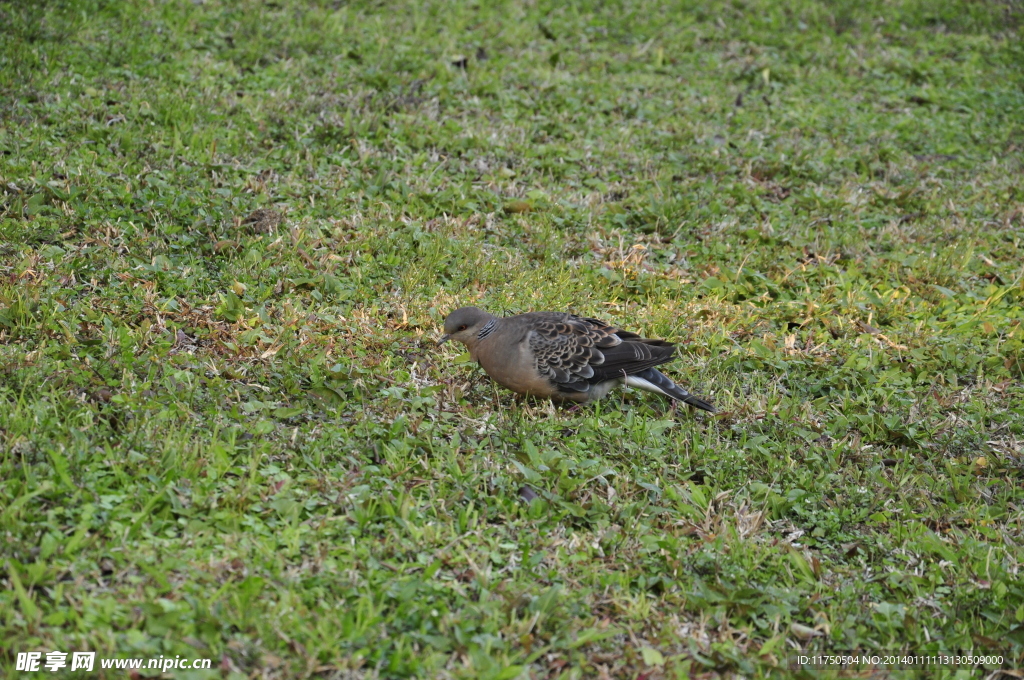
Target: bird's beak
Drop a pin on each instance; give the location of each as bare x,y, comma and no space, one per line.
443,339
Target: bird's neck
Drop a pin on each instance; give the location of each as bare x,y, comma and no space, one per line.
482,336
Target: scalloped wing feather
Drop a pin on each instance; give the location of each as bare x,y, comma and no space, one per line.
575,352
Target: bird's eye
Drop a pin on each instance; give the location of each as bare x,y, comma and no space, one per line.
462,328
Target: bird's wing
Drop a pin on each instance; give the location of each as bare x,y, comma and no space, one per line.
575,352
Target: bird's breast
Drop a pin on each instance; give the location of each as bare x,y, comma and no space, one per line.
514,367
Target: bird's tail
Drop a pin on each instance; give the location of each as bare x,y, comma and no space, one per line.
654,380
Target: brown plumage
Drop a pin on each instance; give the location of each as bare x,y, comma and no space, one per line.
563,356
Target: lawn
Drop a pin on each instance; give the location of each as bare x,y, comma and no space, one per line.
229,234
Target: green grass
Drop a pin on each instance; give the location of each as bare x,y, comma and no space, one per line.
234,438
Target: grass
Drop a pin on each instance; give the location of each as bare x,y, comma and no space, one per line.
228,434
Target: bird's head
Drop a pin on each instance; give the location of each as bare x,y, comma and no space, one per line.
464,324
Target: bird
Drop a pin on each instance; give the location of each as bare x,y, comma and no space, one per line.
564,357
